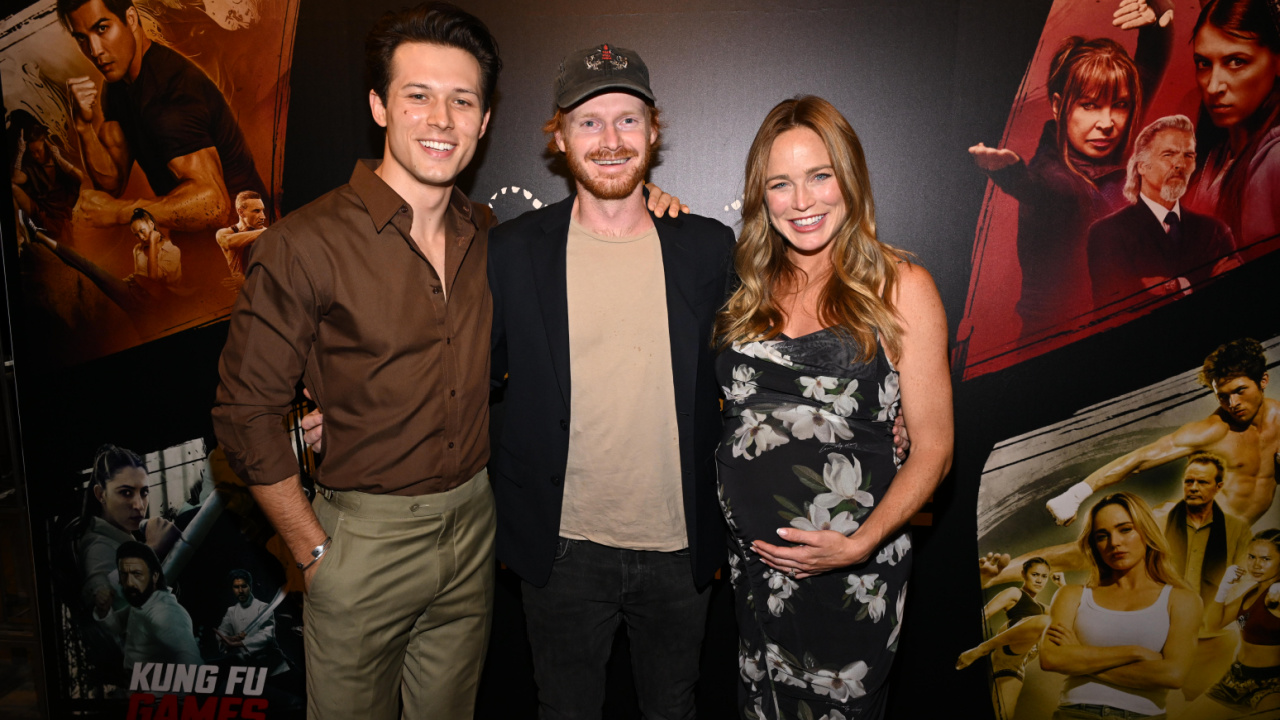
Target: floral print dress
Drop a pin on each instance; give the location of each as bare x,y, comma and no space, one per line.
808,443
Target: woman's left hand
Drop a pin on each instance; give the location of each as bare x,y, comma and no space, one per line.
816,552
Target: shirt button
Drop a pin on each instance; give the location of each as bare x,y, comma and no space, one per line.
453,393
564,424
404,211
448,341
451,446
555,480
413,507
435,291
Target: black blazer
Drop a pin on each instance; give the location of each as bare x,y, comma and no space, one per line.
531,356
1131,244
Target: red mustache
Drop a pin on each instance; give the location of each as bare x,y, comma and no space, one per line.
607,155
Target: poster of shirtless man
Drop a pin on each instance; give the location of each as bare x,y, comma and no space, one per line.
1160,502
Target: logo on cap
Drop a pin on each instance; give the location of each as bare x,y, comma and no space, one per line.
597,59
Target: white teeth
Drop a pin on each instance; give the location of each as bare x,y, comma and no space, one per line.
435,145
806,222
609,162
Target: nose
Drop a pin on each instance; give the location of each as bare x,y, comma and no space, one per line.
95,46
1106,122
611,138
440,114
802,199
1217,81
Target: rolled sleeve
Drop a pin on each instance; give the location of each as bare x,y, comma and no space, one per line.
271,335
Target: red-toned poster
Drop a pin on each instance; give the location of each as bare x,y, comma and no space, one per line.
1129,111
146,143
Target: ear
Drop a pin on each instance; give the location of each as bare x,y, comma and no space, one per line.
377,108
131,19
1055,102
98,493
1265,377
560,140
484,124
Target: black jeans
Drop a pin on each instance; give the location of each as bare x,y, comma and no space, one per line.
572,621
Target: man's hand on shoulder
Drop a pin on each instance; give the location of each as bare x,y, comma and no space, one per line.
662,202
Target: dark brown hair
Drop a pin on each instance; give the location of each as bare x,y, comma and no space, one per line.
435,23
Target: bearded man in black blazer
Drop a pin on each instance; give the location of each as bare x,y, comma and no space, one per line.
604,471
1156,247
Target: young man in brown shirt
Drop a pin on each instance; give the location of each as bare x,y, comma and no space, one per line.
375,295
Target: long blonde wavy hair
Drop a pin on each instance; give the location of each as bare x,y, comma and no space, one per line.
1159,567
855,299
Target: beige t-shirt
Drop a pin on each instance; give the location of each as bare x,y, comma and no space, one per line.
622,485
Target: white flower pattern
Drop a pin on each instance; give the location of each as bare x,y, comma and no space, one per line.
806,421
820,519
744,384
845,404
844,685
817,388
755,430
786,395
844,478
895,551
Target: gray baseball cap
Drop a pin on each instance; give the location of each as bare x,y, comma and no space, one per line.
604,67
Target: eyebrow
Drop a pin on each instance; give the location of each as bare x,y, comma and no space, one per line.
425,86
810,171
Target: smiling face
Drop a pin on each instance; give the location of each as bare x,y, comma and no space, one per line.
105,39
124,500
1095,126
1116,539
1240,398
432,115
1235,75
1262,561
1171,157
607,141
802,195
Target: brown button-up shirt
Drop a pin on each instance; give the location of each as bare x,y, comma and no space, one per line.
339,295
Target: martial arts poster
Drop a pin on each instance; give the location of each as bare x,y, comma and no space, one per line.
146,154
170,601
1065,245
1192,444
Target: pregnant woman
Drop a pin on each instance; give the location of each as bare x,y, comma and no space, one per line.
829,335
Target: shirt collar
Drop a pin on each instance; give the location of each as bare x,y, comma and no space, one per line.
1161,211
383,203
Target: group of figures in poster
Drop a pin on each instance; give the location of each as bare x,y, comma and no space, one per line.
1197,541
1130,555
1156,171
142,139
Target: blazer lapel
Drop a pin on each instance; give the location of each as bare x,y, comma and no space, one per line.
547,260
682,324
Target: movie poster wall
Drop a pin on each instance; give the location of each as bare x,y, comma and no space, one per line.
1129,547
145,144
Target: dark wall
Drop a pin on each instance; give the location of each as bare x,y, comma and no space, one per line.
920,82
